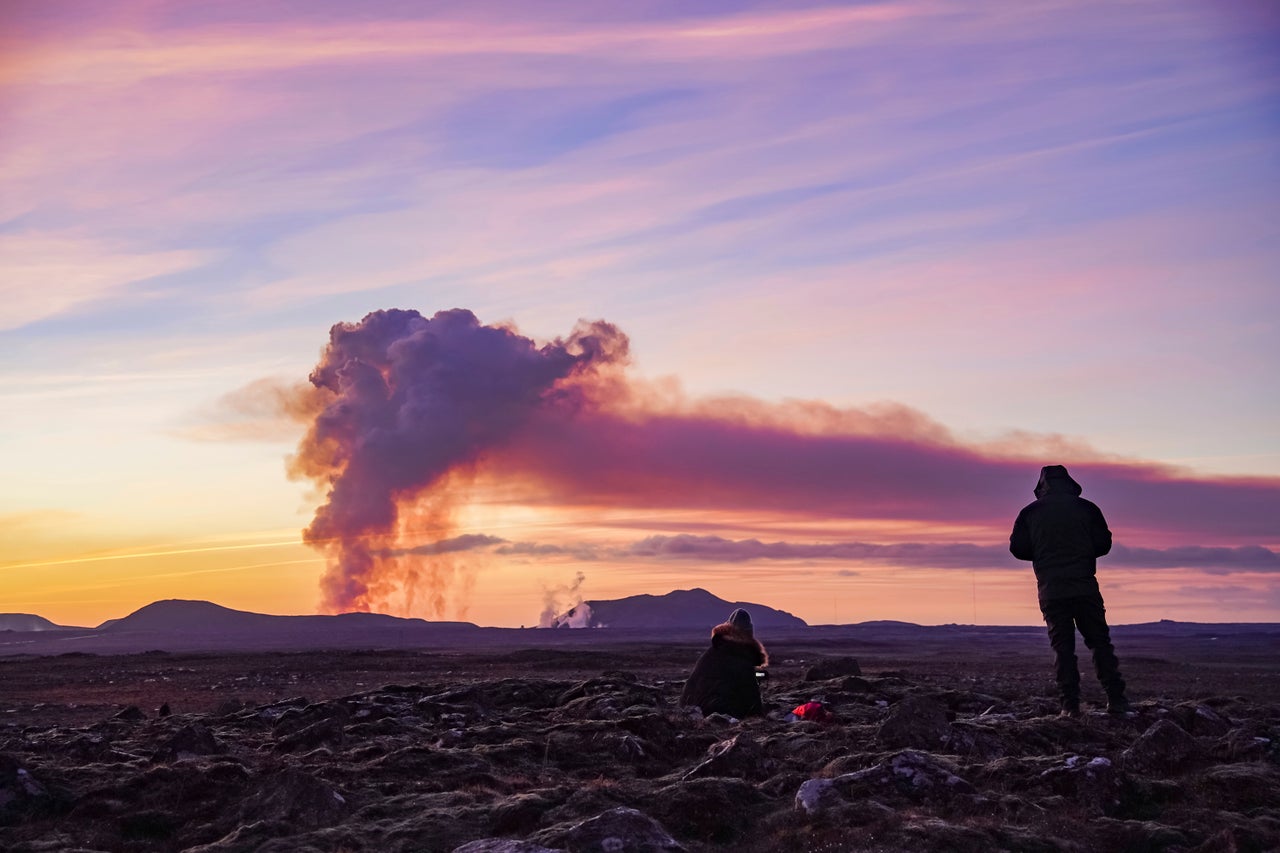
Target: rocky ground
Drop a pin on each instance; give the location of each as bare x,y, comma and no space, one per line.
585,749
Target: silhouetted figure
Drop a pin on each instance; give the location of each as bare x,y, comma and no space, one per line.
724,678
1062,534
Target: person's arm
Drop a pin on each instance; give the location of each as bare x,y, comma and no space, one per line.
1020,539
1100,533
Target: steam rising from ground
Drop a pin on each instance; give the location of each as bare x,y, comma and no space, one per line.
562,606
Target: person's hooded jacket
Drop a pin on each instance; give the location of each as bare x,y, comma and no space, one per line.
1062,534
724,678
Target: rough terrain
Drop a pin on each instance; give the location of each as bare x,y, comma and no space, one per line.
581,747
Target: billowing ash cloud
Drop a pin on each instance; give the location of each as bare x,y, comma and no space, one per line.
411,400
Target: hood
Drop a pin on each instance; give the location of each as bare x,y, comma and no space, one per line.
727,632
1054,479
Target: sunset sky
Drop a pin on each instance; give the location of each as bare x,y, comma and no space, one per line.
859,271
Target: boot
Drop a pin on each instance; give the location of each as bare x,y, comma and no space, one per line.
1070,708
1118,704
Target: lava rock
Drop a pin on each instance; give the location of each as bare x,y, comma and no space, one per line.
1164,747
739,757
503,845
917,776
618,830
1091,782
297,798
1247,785
131,714
917,722
190,741
21,794
1140,835
833,668
712,810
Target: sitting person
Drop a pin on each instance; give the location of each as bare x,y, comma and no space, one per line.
724,678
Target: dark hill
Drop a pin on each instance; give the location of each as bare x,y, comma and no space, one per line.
181,625
184,616
179,616
28,622
681,608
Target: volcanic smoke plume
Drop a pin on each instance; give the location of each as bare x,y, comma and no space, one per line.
410,402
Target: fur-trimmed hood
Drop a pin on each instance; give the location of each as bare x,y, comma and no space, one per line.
728,637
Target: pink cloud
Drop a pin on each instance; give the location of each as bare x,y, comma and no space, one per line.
706,462
959,555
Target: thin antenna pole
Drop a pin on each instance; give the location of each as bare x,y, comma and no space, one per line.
973,574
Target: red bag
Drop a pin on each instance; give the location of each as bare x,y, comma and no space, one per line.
814,712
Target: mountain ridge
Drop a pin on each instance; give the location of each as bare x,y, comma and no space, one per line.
30,622
182,625
680,608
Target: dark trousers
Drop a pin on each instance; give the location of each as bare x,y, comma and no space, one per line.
1064,616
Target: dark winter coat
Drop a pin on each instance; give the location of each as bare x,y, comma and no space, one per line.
724,678
1062,534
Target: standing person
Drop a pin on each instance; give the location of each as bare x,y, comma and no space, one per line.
1062,534
724,678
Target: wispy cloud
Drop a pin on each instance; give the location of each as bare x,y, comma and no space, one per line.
273,47
46,275
927,555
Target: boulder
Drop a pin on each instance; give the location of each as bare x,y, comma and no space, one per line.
623,687
324,732
190,741
618,830
1144,835
503,845
20,792
918,776
833,668
1209,722
1199,719
714,810
519,814
1246,785
1242,745
938,834
297,798
739,757
1090,781
817,795
973,740
917,722
294,720
1164,747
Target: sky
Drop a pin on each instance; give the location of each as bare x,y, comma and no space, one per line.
786,301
